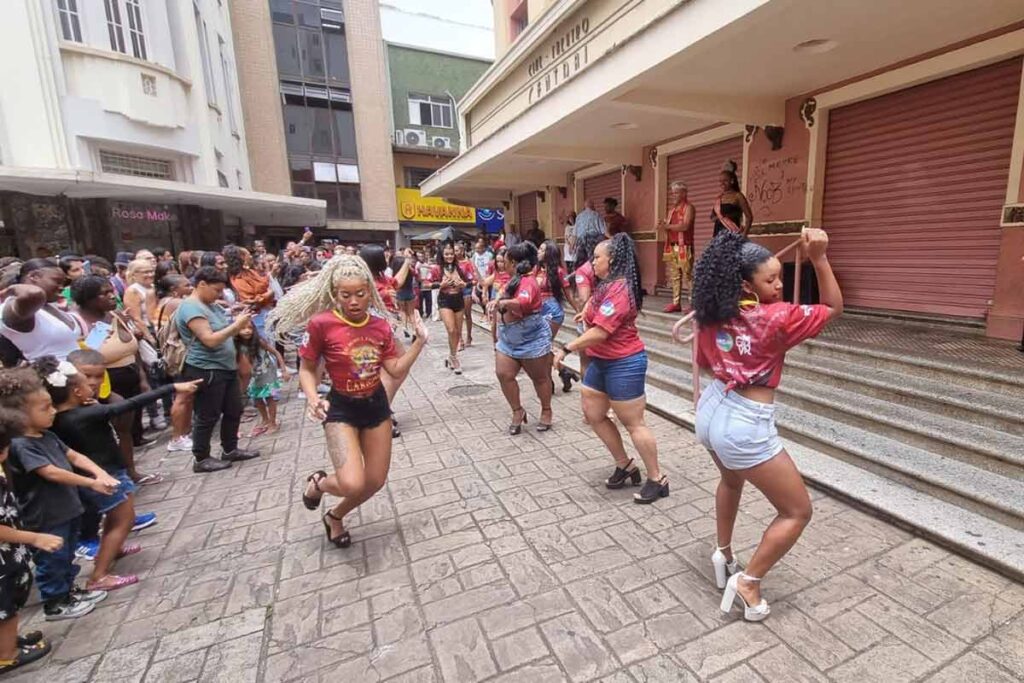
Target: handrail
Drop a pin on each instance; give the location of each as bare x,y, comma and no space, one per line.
689,317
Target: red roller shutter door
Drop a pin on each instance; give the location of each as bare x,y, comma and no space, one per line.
526,210
699,168
914,185
599,187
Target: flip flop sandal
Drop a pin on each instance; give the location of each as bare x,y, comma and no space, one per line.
26,655
112,582
150,479
258,430
129,549
315,478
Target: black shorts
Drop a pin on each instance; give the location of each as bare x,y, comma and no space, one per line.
360,412
451,300
15,587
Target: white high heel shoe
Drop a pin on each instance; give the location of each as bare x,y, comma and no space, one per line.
723,568
758,612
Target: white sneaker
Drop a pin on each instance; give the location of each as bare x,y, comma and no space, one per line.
181,443
158,423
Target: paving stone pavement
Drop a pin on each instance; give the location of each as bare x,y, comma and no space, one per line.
488,557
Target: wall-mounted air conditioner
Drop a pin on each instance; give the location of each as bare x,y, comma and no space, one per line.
439,142
413,137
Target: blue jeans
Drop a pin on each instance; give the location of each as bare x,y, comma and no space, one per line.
56,572
621,379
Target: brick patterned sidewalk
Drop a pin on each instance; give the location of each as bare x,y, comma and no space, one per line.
496,558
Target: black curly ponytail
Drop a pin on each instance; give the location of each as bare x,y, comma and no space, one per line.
15,386
623,265
524,255
552,262
728,260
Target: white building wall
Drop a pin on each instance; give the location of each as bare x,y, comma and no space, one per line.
61,102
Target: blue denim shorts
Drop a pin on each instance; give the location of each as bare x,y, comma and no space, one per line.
103,503
525,339
621,379
552,311
739,431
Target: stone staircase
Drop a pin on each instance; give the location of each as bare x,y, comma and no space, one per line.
921,439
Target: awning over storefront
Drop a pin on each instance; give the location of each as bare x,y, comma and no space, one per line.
250,207
597,81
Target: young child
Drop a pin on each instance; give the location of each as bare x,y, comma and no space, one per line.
265,384
83,424
355,347
46,487
15,572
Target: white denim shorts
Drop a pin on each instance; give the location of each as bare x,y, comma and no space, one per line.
739,431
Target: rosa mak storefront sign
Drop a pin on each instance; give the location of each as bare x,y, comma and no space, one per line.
414,207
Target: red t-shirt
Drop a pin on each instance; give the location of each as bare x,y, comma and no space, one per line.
464,272
500,278
386,287
585,276
750,349
545,286
352,354
613,314
529,295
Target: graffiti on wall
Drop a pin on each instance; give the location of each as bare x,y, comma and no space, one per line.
776,186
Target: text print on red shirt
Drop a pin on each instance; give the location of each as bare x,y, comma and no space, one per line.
352,354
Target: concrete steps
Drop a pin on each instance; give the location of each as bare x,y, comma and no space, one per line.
882,430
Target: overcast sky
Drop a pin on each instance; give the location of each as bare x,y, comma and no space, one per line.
458,26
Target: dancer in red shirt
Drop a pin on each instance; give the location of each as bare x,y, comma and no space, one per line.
583,282
355,346
616,375
466,265
452,280
744,332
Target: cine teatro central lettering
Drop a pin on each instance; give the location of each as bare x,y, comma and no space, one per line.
563,60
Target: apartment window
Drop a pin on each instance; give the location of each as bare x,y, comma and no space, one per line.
343,201
204,54
133,9
427,110
281,11
311,52
222,179
414,177
229,85
138,166
70,23
518,20
115,27
335,47
314,124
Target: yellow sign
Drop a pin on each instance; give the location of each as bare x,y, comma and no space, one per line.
414,207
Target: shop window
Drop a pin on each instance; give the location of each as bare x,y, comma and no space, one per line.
337,54
133,8
115,27
70,22
414,177
430,110
138,166
311,52
287,50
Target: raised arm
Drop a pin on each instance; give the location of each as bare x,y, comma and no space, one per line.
21,303
815,244
200,327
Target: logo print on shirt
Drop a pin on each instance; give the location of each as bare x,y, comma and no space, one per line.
365,360
580,279
607,308
724,341
743,344
807,310
305,339
524,295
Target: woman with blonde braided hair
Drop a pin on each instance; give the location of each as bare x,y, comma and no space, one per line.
355,346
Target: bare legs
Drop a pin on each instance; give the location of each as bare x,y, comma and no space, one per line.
467,315
181,415
779,480
453,326
117,524
537,369
631,415
539,372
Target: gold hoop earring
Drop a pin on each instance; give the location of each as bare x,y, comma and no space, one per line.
750,304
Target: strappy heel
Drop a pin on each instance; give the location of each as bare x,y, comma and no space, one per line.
723,567
515,429
651,491
544,426
758,612
315,479
344,539
623,474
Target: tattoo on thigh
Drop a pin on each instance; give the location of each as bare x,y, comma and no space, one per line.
336,444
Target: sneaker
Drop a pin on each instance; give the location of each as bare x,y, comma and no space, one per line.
158,423
240,454
210,465
87,550
144,521
68,608
84,595
180,443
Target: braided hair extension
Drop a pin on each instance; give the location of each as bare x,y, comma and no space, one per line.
551,263
524,255
314,296
623,265
718,277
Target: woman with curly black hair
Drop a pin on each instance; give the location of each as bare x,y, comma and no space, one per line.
524,337
744,332
583,282
452,279
616,375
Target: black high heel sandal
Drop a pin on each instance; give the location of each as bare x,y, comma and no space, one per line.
395,431
652,491
344,540
315,478
621,475
515,429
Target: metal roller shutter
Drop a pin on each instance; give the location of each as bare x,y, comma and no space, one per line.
599,187
526,210
914,185
699,168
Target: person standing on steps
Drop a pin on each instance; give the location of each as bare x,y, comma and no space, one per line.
614,221
679,245
744,331
617,373
732,210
